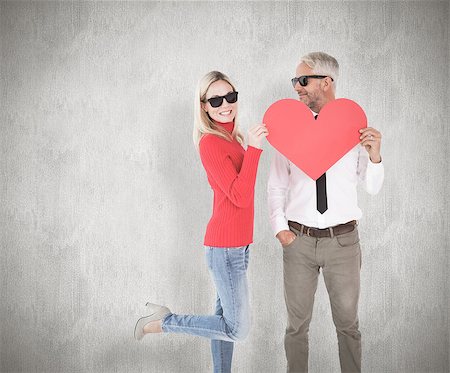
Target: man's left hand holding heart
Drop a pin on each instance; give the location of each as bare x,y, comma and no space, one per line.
371,139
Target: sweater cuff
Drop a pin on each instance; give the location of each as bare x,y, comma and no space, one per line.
253,149
253,154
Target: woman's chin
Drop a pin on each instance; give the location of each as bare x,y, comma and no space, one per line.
225,119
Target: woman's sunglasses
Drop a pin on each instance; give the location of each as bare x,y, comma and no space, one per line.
303,80
217,101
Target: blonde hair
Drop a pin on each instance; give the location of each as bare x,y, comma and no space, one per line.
203,124
323,64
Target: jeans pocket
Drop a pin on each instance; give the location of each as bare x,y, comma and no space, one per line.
236,258
348,239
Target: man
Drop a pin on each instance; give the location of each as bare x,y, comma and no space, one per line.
316,224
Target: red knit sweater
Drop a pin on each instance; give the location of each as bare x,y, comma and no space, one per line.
231,173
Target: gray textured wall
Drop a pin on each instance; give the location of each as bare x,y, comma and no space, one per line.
104,201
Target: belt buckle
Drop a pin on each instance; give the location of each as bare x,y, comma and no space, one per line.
307,232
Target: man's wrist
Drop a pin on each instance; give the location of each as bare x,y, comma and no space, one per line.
375,159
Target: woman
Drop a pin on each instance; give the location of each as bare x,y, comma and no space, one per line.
231,172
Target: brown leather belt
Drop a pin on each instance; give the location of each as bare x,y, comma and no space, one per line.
325,232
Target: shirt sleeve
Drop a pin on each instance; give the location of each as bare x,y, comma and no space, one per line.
237,186
370,174
277,190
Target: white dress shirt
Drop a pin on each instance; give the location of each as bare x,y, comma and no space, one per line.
292,193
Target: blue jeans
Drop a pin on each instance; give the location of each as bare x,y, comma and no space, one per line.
231,321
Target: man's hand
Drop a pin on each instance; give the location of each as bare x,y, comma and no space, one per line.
286,237
371,139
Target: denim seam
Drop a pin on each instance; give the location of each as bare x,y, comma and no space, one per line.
233,294
222,368
236,320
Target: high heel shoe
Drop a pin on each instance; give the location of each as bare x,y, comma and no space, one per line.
156,312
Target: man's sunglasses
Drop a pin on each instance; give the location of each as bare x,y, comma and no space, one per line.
217,101
303,80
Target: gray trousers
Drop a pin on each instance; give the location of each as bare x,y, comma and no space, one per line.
340,260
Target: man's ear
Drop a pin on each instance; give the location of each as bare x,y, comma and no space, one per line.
327,84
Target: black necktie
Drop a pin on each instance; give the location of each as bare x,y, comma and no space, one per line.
321,191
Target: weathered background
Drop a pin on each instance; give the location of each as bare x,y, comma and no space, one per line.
104,202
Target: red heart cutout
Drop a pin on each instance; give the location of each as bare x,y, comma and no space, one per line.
314,145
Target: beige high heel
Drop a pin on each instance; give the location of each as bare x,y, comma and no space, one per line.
156,312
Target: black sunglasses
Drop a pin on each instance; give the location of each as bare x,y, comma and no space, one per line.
303,80
217,101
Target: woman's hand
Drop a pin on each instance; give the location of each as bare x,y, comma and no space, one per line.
256,135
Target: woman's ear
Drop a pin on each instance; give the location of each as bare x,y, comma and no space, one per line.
203,105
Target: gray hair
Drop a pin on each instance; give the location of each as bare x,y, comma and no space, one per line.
322,64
